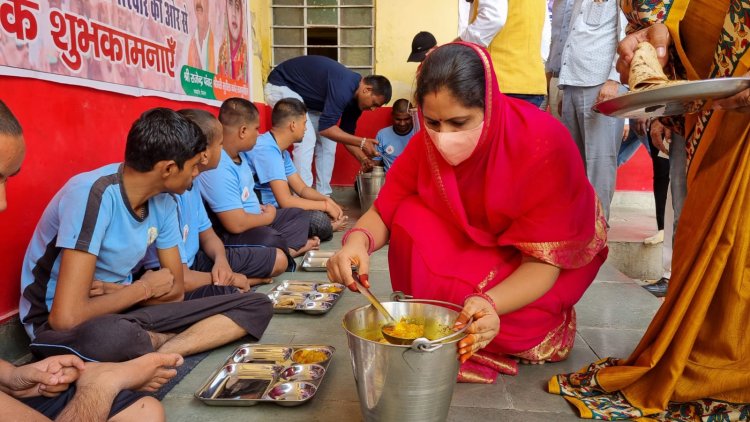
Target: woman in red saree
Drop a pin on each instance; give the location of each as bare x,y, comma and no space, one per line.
489,207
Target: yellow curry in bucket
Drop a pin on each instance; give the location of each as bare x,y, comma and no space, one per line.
404,329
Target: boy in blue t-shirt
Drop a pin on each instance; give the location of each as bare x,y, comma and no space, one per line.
90,390
393,139
205,260
277,177
238,216
98,227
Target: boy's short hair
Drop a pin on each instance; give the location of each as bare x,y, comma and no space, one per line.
237,111
9,125
401,106
286,109
162,134
208,123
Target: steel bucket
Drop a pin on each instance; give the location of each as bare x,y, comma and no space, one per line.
369,185
411,383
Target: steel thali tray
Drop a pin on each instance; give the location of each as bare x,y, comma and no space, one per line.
316,260
287,375
670,100
312,297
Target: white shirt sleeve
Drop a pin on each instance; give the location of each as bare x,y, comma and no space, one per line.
491,17
546,34
621,22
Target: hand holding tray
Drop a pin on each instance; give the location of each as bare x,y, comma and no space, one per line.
671,99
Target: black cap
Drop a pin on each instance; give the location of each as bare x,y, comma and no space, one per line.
420,45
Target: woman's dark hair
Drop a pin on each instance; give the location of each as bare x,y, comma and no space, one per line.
162,134
457,68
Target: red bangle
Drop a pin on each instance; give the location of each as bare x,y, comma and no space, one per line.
370,247
483,296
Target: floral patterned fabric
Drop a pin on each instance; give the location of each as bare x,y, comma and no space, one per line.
583,391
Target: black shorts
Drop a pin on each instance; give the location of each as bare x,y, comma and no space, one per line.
320,225
121,337
251,261
289,229
52,406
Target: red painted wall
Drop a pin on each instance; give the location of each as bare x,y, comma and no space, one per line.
70,129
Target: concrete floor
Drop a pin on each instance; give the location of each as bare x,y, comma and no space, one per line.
612,315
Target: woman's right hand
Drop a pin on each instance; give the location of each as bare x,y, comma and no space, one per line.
340,265
657,35
482,331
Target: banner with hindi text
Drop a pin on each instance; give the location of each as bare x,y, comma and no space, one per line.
178,49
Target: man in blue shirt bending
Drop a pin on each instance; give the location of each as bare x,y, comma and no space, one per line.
331,93
393,139
98,227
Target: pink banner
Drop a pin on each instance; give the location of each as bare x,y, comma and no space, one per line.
179,49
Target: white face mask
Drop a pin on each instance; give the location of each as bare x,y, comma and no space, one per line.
456,147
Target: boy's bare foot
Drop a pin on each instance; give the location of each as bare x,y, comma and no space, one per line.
312,244
158,339
146,373
340,224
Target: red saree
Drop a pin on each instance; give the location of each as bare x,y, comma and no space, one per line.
456,230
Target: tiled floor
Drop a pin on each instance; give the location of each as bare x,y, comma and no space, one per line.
612,315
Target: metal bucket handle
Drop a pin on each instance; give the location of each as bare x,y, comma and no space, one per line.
422,344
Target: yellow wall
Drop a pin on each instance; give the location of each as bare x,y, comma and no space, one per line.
396,23
260,16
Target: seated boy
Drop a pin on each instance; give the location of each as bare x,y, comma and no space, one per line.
205,260
240,219
63,387
393,139
276,174
98,227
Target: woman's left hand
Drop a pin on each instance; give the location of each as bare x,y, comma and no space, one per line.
738,102
485,327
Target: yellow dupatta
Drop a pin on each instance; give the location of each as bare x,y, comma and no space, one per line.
696,346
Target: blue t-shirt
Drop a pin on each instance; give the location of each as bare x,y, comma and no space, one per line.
391,145
91,213
229,186
192,220
269,163
325,85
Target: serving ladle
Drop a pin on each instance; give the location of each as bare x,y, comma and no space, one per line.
391,322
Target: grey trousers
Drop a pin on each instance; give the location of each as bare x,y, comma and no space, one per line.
598,138
677,192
